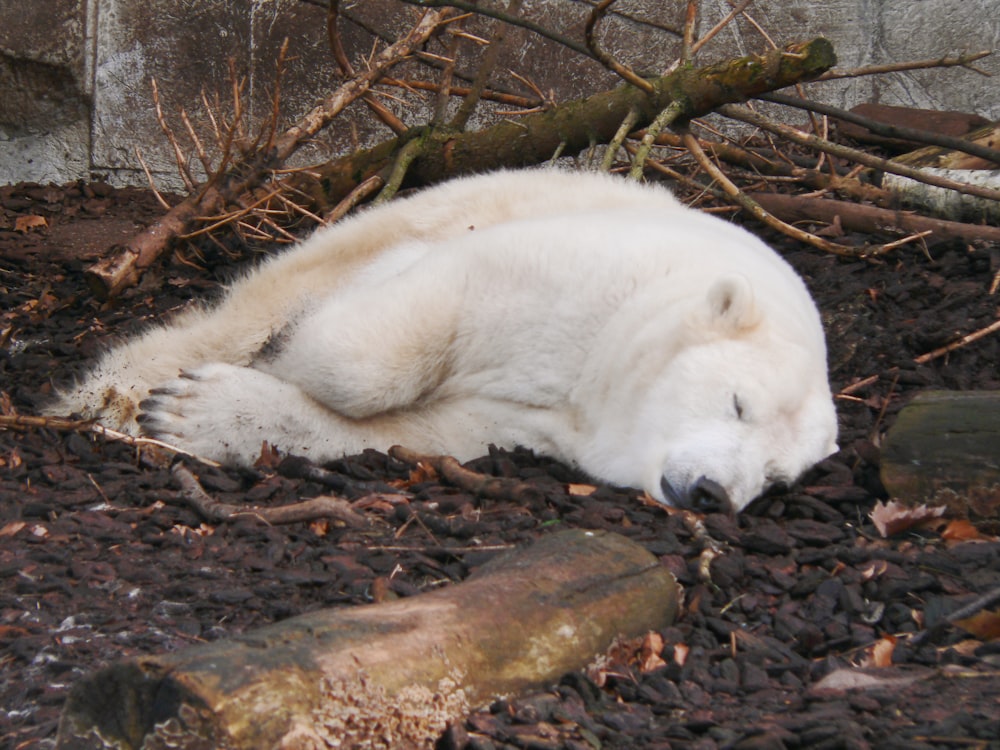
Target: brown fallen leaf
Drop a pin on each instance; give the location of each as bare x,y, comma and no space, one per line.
879,654
269,457
681,651
893,517
626,656
983,625
960,530
12,528
649,652
581,490
25,224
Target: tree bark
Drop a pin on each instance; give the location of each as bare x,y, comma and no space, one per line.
387,675
571,127
943,450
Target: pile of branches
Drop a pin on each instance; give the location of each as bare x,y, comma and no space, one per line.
649,123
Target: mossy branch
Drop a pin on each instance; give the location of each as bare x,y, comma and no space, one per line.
575,125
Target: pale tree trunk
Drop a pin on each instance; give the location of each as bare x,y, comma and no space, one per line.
388,675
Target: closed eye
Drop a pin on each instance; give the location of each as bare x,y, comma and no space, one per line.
737,406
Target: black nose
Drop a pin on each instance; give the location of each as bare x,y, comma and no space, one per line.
704,496
710,497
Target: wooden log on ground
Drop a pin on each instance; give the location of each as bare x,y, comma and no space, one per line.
858,217
944,449
388,675
896,121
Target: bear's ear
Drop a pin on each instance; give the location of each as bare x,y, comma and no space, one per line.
731,305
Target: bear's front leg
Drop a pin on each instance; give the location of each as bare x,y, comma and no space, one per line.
225,412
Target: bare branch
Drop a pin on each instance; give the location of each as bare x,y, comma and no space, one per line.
757,211
963,61
623,71
883,129
486,66
744,114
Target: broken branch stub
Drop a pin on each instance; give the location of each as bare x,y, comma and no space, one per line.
386,675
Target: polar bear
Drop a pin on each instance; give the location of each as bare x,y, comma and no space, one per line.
593,319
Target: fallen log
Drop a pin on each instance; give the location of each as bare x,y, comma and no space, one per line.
572,127
390,675
859,217
941,202
943,450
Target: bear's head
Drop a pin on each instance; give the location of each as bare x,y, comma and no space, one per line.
733,402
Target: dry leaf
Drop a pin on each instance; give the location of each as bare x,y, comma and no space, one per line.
649,652
893,517
984,625
681,653
27,223
834,229
423,473
879,654
269,457
12,528
960,530
874,569
625,656
581,490
968,647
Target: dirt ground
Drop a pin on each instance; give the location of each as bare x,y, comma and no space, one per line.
101,560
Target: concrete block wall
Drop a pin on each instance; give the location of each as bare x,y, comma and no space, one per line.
75,95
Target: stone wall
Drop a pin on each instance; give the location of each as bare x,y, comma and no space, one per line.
75,92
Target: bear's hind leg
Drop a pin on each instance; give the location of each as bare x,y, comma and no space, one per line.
374,349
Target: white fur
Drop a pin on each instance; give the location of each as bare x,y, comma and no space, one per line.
590,318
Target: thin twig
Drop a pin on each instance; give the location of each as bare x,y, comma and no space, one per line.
976,605
325,506
482,10
463,91
664,119
360,193
404,158
967,339
941,62
149,178
62,424
631,118
740,7
622,70
486,67
758,212
449,469
443,98
179,157
206,162
690,26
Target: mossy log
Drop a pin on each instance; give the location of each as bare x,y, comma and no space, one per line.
944,449
571,127
389,675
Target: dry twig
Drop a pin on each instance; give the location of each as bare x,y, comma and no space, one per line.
482,485
325,506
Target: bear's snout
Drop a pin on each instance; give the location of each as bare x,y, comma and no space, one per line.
704,496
